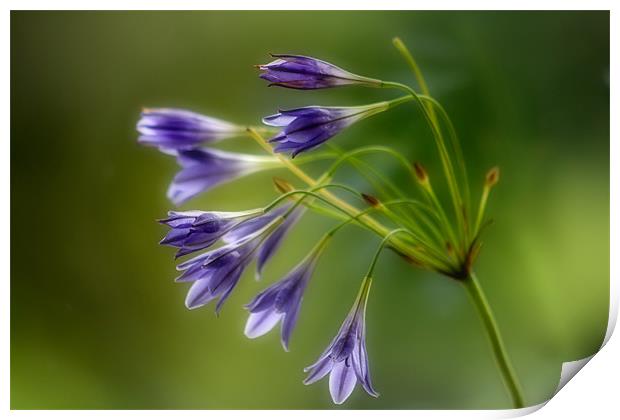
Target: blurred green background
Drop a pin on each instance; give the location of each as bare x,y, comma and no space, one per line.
96,320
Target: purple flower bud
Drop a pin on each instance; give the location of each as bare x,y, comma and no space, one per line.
192,231
281,301
170,128
300,72
204,169
345,359
215,277
215,273
307,128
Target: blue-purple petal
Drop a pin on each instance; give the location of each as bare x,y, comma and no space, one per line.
273,242
360,364
318,371
260,323
179,129
199,294
301,72
289,322
342,380
306,128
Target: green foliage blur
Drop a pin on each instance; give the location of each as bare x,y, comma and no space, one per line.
96,320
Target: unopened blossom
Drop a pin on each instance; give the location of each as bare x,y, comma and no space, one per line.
345,359
300,72
171,128
195,230
307,128
215,273
215,277
205,168
282,301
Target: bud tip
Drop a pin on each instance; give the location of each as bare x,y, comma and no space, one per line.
282,185
492,177
420,172
371,200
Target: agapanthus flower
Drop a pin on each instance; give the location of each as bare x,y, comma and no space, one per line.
171,128
300,72
215,273
345,359
281,301
306,128
194,230
205,168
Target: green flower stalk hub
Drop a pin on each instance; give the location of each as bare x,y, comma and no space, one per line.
445,239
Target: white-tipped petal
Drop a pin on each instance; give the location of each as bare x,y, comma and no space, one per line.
260,323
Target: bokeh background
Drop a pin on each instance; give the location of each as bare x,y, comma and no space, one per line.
96,320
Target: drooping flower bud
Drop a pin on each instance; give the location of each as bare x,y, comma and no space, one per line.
346,359
282,300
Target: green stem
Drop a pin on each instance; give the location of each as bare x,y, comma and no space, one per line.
481,208
456,146
441,145
369,149
404,51
367,221
497,344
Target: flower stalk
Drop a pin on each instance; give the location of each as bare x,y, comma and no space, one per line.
497,343
366,220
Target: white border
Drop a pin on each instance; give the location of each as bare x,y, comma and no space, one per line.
596,389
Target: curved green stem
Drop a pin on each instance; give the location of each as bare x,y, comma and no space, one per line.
456,145
302,160
497,344
312,193
370,223
382,245
374,177
404,51
441,145
424,218
369,149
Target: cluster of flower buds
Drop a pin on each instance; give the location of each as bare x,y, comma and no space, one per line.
225,243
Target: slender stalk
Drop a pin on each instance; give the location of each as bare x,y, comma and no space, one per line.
456,146
370,149
481,208
441,145
374,177
497,344
404,51
372,223
365,220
